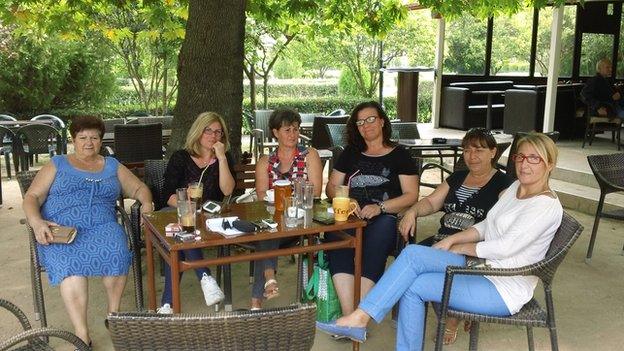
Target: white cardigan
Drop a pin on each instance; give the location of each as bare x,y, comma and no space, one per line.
516,233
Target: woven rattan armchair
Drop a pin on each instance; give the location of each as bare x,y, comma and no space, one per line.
286,328
34,139
337,134
35,339
531,315
609,172
135,143
320,136
24,179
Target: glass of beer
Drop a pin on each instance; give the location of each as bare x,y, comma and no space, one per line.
283,190
187,215
195,193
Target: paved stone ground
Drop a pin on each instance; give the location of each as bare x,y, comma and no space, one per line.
589,298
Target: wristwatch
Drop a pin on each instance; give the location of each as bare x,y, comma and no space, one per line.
382,207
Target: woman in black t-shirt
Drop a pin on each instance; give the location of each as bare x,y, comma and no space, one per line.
465,196
383,180
206,149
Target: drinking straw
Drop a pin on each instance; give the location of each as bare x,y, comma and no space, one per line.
202,174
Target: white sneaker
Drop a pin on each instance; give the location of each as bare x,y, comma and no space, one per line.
212,292
165,309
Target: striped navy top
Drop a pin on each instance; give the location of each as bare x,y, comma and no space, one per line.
464,192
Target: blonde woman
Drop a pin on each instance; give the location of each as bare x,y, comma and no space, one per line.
516,232
206,146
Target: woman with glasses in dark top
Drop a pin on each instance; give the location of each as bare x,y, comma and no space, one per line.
383,179
288,161
205,151
465,197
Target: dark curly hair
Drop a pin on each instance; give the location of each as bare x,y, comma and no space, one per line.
81,123
354,137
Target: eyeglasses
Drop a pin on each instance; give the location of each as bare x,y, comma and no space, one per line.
360,122
218,133
532,159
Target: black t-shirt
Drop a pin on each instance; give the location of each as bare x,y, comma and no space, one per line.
373,179
182,170
479,203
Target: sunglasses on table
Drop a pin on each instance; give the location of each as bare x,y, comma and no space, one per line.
532,159
360,122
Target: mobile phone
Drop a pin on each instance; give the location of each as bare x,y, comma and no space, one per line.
184,237
270,222
324,218
211,207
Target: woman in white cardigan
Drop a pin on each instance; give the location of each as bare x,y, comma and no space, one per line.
516,232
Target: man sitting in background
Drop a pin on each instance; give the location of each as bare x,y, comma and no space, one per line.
599,93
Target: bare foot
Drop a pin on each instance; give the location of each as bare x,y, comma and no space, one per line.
358,319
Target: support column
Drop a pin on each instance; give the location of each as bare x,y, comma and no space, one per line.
553,70
437,76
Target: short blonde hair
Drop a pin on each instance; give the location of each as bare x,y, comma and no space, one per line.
544,146
601,62
203,120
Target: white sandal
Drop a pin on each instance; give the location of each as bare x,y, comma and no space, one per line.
274,292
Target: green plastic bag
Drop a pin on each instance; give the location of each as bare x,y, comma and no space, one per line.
320,289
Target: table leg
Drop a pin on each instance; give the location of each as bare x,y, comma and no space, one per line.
357,275
227,281
488,116
175,281
149,257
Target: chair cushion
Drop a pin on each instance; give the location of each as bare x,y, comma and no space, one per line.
599,119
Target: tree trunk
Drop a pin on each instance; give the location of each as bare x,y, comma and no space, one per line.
210,67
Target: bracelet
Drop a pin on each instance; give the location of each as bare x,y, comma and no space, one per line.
382,207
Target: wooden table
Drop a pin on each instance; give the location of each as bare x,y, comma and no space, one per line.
169,248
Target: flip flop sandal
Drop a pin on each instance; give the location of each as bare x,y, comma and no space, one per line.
467,326
449,336
273,293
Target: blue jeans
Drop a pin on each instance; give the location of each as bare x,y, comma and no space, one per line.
188,255
417,277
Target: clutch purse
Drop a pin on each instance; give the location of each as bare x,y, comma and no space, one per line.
63,235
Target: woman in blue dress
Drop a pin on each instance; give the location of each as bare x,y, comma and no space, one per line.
80,190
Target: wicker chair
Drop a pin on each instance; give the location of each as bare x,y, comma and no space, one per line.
285,328
337,134
109,124
34,139
6,138
531,315
135,143
599,124
35,339
320,136
609,172
24,179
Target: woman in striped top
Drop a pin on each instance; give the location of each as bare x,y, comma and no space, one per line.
465,196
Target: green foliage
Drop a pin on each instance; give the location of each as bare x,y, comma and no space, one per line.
299,90
322,104
39,75
452,9
465,39
348,86
287,68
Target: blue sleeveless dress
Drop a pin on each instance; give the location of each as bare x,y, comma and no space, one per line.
86,201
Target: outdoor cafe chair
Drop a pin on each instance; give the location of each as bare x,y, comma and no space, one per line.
6,136
135,143
109,124
337,134
532,314
289,328
59,124
599,124
609,173
35,339
320,137
34,139
24,179
337,112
